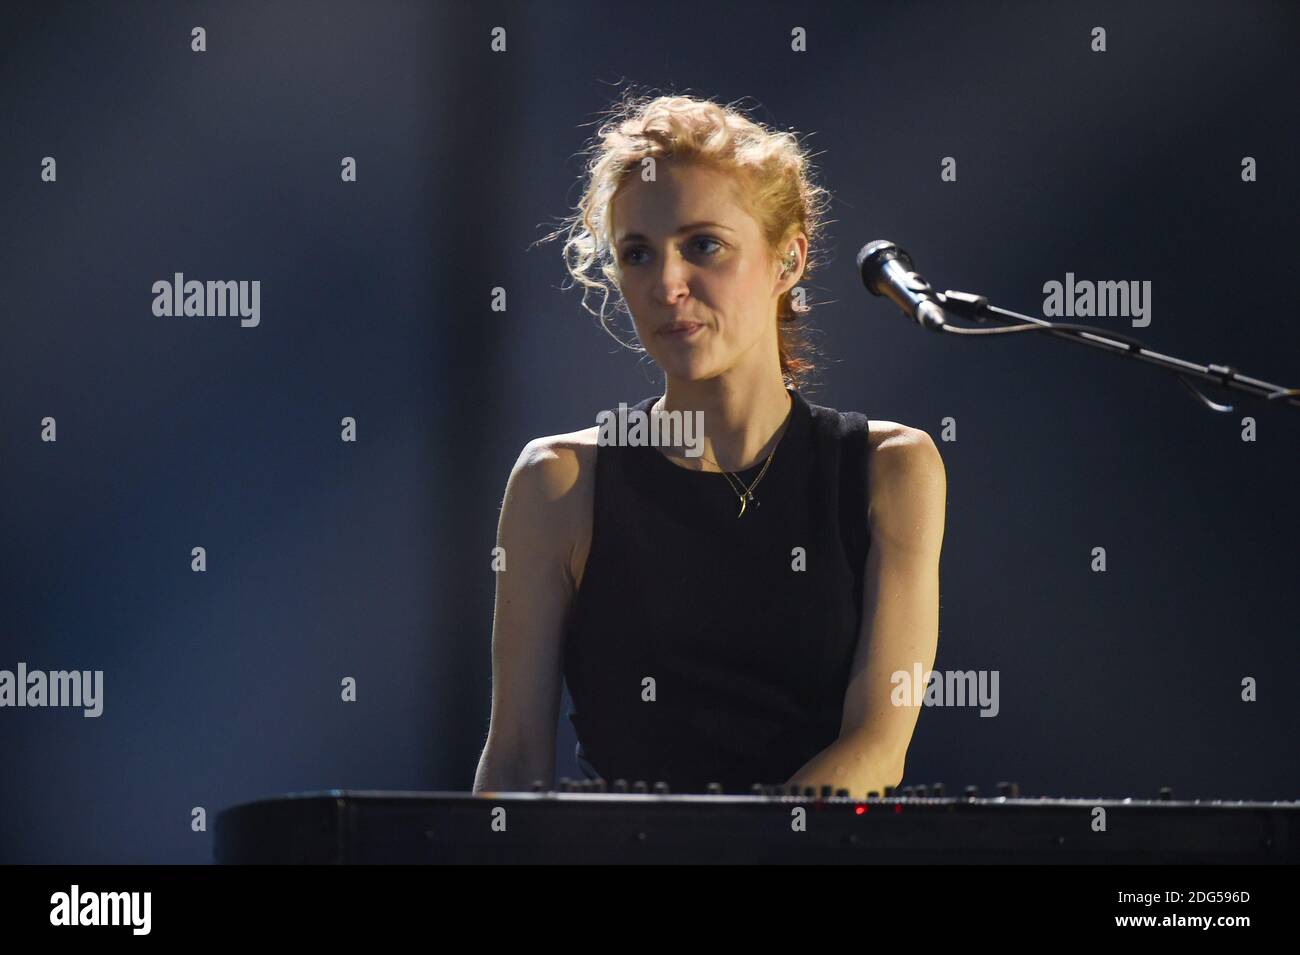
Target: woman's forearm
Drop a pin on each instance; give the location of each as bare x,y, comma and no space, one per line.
855,762
501,771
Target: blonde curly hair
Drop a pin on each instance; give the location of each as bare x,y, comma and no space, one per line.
774,172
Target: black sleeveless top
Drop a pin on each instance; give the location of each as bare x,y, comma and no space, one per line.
750,656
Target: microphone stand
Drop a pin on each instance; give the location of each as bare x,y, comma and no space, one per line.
977,308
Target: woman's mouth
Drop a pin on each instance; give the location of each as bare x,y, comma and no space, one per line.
679,330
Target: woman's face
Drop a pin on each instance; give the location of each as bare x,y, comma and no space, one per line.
688,252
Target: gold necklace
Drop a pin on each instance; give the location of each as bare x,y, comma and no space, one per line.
744,494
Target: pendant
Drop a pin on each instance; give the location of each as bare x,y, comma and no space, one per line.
743,502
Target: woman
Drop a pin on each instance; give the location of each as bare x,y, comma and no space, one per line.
732,616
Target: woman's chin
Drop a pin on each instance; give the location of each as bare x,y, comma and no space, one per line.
683,369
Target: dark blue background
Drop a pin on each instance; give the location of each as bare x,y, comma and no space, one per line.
371,559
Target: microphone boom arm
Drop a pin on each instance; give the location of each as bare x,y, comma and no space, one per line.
977,308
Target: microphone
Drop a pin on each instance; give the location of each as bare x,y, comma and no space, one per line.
887,270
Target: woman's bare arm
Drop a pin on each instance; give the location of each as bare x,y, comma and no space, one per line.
546,512
900,622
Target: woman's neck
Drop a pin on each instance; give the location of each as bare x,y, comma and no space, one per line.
743,419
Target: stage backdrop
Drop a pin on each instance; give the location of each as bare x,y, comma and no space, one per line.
268,529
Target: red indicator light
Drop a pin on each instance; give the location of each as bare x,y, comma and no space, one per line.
860,810
897,808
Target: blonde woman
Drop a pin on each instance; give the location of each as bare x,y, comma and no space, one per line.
733,616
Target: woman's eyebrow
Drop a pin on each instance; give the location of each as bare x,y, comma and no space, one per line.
686,228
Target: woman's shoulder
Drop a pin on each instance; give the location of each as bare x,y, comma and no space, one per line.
901,459
559,463
879,433
891,434
906,482
549,496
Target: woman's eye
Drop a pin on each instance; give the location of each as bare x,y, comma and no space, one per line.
699,244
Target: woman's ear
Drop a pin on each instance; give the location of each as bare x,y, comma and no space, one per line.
793,259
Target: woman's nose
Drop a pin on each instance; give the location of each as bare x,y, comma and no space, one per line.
671,278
